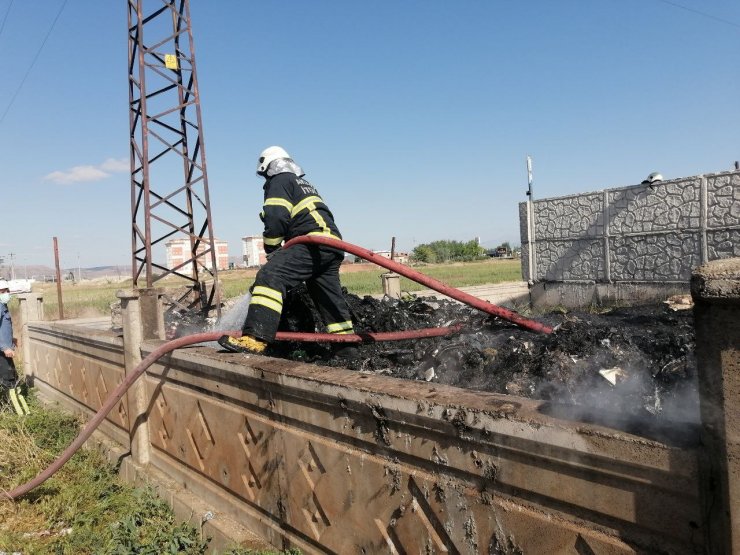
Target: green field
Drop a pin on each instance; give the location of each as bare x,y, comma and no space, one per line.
87,299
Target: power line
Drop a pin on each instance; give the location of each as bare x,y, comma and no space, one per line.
33,62
5,18
710,16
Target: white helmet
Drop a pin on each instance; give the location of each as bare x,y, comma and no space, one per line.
268,155
652,178
4,284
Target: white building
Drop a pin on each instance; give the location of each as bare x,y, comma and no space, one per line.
178,251
253,250
400,257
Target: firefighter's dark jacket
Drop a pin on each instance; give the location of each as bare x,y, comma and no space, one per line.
293,207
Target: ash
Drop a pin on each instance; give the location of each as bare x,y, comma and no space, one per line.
627,367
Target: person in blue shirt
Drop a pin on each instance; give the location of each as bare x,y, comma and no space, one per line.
8,375
8,343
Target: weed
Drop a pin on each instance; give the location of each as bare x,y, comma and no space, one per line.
240,551
83,508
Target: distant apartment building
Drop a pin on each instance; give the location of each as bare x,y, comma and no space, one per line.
253,251
178,251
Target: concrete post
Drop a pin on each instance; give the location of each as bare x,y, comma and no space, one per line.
391,285
715,288
142,319
31,309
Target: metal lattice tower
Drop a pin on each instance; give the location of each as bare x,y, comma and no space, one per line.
167,142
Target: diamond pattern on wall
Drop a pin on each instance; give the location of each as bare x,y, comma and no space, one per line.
312,470
388,541
57,369
164,413
100,386
200,436
416,520
122,414
250,479
85,393
70,380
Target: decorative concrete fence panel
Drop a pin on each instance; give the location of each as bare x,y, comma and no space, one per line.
78,367
334,461
600,244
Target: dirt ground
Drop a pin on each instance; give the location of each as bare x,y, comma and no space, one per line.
628,367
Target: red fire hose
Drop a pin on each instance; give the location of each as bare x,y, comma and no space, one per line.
418,277
170,346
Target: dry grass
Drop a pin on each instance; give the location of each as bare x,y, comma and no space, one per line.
84,508
88,299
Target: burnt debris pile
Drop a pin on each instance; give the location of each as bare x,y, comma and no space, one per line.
636,362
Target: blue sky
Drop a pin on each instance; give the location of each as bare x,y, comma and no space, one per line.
412,118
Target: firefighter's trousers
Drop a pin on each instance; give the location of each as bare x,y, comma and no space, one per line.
318,266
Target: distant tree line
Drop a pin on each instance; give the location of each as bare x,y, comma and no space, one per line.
448,251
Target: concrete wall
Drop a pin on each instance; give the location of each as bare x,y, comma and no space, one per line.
333,461
654,235
78,367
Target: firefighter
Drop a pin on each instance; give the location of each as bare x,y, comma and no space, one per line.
292,207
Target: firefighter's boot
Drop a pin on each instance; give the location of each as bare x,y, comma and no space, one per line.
243,344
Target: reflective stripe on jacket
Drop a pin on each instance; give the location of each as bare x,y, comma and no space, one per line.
293,207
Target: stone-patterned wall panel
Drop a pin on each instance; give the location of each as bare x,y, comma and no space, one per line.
233,447
665,257
570,260
673,205
723,244
723,200
569,217
523,228
525,262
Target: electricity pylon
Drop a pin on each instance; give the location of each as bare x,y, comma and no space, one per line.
167,141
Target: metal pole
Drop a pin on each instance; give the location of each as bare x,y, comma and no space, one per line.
59,280
393,248
530,224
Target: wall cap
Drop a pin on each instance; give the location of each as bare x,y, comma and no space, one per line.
717,280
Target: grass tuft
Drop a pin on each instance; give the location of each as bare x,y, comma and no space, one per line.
84,508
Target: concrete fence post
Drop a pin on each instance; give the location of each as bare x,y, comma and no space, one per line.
142,319
391,285
31,309
715,288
